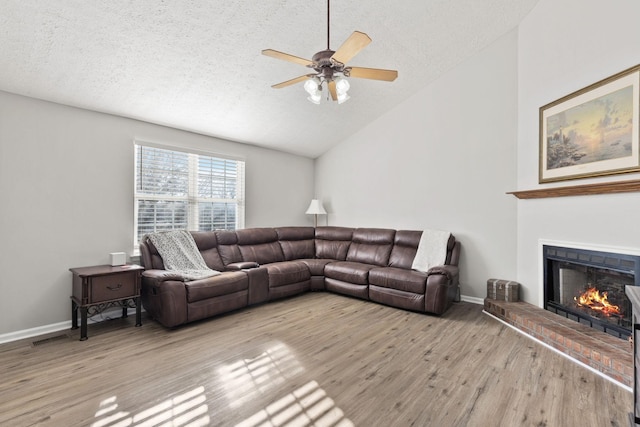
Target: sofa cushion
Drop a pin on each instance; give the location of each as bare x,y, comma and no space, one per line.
333,242
345,288
346,271
207,244
398,278
259,245
316,266
228,246
222,284
371,246
405,246
256,236
296,242
154,260
262,254
286,273
452,253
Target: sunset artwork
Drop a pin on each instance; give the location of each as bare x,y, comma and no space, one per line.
593,131
600,129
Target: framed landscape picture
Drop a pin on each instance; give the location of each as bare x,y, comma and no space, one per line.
593,131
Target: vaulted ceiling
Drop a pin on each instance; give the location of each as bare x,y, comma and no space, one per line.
196,65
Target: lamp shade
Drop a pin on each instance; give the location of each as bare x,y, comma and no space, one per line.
316,208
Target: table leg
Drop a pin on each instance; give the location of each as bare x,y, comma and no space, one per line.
74,315
83,323
138,312
124,309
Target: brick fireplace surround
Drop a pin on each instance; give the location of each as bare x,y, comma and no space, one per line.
609,355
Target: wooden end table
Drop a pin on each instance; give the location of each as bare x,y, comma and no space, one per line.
99,287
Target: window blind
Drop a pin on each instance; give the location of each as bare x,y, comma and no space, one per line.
177,189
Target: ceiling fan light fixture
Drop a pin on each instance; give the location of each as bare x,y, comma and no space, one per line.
315,98
342,86
331,67
312,86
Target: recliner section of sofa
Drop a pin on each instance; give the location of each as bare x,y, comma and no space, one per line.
265,264
331,245
172,301
369,248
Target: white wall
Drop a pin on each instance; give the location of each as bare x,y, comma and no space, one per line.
442,159
563,47
66,186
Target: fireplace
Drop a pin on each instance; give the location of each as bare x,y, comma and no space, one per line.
588,287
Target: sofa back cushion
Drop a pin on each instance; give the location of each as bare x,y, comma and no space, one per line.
206,242
371,246
228,246
151,259
297,242
333,242
453,251
259,245
405,246
208,246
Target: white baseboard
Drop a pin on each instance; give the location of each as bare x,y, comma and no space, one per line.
54,327
34,332
61,326
474,300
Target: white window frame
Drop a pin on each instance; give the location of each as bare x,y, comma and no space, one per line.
192,198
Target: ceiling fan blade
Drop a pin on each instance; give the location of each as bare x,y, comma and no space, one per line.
292,81
373,73
286,57
350,48
332,90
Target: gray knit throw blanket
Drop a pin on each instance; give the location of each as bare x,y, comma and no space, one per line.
181,255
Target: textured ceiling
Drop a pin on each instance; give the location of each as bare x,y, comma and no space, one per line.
196,64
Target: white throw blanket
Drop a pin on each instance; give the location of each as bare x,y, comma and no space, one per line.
180,254
432,250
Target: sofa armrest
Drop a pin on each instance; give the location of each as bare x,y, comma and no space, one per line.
441,288
161,275
450,271
243,265
164,297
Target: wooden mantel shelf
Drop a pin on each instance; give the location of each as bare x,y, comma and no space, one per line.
580,190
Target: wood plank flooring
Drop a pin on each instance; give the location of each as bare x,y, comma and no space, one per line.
315,359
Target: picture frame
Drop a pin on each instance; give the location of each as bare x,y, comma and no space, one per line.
593,131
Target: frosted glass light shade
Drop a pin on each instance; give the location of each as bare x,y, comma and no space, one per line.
311,86
342,85
343,97
316,208
315,98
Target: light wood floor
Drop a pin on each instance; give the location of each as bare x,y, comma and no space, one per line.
315,359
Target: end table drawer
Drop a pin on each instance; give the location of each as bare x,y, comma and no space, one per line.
113,286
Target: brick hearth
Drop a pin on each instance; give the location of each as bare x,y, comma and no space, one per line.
607,354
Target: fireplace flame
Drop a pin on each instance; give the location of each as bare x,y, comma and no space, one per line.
596,301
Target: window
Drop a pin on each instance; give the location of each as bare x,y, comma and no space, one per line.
186,190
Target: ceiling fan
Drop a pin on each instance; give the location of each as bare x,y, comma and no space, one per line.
330,67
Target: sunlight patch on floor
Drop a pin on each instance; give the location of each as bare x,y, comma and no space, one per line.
245,379
185,410
306,406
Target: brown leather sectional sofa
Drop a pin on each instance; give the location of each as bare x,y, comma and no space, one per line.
265,264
